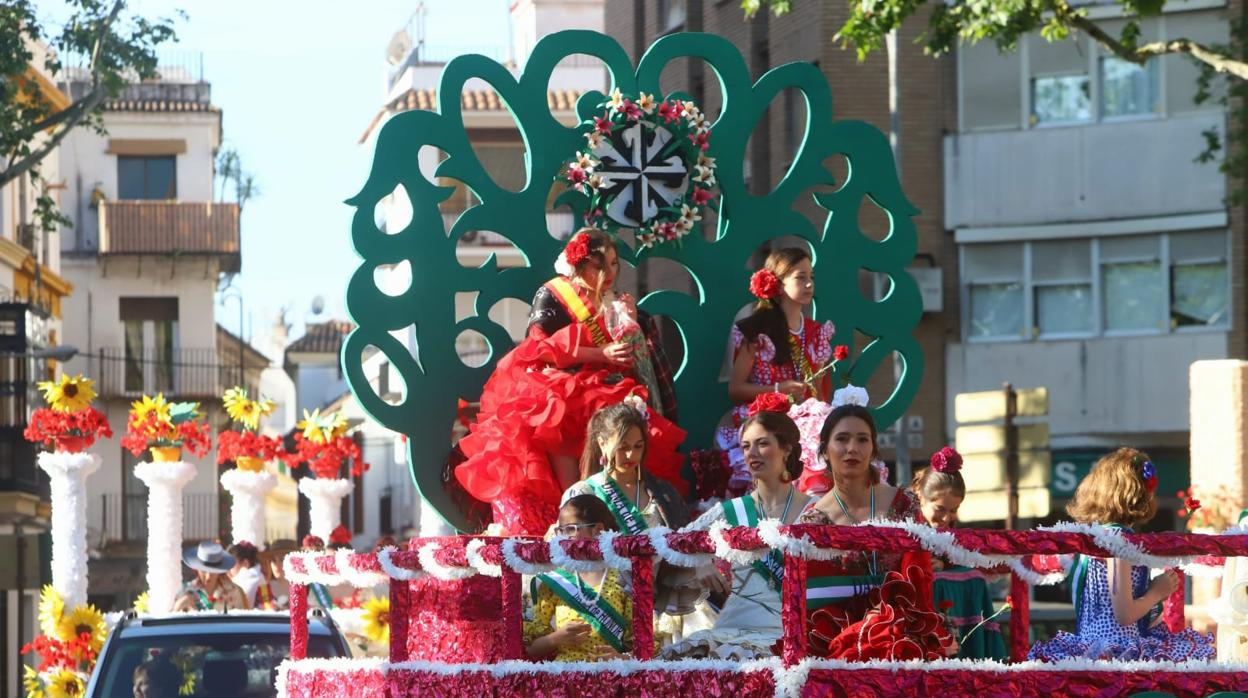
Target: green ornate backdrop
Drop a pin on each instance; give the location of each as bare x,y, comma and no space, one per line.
433,374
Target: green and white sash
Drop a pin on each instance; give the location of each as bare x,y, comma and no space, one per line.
742,512
322,595
626,513
605,619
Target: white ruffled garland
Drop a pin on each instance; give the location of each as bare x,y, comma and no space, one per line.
1111,539
247,503
446,573
400,573
312,573
658,540
944,543
360,579
726,552
769,531
560,558
606,544
789,681
477,562
514,561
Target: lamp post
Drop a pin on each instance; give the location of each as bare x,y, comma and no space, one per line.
236,294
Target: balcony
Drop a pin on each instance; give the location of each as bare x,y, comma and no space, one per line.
1082,173
196,373
171,228
123,517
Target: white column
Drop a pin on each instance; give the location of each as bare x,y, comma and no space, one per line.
67,473
164,530
324,504
247,492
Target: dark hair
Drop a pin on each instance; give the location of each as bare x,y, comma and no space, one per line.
787,435
163,678
590,509
930,483
610,423
244,551
845,412
767,317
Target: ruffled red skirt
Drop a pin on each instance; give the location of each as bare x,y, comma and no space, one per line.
530,412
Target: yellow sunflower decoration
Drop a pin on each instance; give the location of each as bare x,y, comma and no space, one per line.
69,394
244,410
322,428
65,684
51,608
31,683
140,603
82,619
376,619
149,405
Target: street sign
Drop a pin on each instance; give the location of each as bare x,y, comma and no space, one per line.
886,439
989,406
914,439
914,422
1033,503
991,439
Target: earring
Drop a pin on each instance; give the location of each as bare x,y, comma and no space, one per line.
602,461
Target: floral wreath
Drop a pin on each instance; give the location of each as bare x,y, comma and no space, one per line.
690,133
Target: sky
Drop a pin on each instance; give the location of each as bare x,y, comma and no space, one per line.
298,82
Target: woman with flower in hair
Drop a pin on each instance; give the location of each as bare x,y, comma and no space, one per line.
1117,606
961,591
582,352
776,349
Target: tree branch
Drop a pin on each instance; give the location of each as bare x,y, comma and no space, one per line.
71,115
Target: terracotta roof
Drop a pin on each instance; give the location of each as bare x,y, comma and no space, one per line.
470,100
163,105
322,338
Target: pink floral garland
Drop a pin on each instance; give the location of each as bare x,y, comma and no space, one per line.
298,621
793,609
643,608
1020,618
400,614
513,615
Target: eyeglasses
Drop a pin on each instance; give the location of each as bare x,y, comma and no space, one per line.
571,529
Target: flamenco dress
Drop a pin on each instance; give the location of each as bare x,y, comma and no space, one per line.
1099,635
815,341
536,406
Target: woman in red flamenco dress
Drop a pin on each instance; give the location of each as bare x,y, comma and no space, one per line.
585,349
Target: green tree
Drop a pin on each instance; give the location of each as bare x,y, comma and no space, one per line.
116,48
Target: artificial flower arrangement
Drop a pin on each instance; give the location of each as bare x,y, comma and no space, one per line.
69,423
1221,512
689,137
323,444
246,446
68,647
166,428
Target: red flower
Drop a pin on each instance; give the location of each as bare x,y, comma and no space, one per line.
700,196
67,431
603,125
900,625
764,284
1009,601
770,402
841,352
325,460
946,604
232,445
1191,503
630,110
576,175
577,250
340,536
699,140
946,460
670,111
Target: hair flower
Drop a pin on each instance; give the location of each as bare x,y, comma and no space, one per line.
1149,472
764,284
850,395
946,460
770,402
577,250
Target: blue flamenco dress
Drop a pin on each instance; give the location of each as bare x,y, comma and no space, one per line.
1098,635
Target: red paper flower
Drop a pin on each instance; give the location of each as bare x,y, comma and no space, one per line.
764,284
194,435
577,250
340,536
325,459
1192,504
602,125
770,402
946,604
670,111
630,110
232,445
840,352
700,196
699,140
1009,601
67,431
946,460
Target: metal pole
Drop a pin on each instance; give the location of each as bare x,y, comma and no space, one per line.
20,533
902,450
1011,457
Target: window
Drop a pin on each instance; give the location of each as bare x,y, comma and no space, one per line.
147,177
671,14
1134,297
1062,282
1128,89
1199,283
1059,99
995,278
150,327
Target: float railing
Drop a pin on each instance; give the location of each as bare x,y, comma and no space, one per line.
454,558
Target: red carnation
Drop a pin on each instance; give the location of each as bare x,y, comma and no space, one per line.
770,402
946,604
1192,504
577,250
946,460
764,284
340,536
841,352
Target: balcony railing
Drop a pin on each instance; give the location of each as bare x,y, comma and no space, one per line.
123,517
191,373
170,228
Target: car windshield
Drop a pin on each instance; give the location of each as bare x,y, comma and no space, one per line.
200,664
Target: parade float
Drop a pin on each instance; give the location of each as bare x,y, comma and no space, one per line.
666,177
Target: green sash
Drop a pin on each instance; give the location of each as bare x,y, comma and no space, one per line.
626,514
608,622
322,595
742,512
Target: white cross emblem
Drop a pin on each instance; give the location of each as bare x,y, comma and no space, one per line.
641,171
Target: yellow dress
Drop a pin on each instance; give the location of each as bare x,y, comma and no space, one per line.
550,613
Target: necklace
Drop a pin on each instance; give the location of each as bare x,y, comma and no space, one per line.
585,589
637,493
873,563
787,503
797,347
